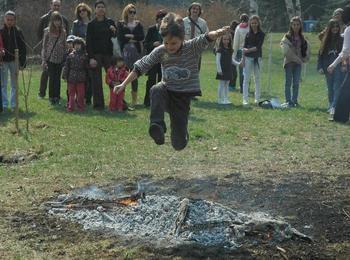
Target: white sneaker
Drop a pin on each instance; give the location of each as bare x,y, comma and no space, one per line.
245,102
331,111
220,101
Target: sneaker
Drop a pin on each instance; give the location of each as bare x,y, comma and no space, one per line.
245,103
331,111
286,105
227,102
157,133
256,101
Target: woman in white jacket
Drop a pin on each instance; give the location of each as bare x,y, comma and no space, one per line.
342,107
238,42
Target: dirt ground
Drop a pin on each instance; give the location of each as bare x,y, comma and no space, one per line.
317,207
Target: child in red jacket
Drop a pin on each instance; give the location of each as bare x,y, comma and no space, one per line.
116,74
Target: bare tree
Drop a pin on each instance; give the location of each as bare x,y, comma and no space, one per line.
293,9
253,7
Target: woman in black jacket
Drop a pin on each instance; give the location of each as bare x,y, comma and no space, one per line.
130,36
152,40
100,50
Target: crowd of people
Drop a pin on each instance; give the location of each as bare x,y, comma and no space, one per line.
170,54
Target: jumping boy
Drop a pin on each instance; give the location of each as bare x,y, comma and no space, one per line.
180,81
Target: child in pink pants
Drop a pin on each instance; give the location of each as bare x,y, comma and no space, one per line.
116,74
75,73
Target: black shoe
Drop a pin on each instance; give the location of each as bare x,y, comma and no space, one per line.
157,133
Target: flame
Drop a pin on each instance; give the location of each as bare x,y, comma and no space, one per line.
128,202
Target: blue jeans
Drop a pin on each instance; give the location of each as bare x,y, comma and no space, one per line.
292,72
8,67
334,82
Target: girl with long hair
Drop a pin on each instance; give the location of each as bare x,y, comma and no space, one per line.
330,48
131,35
296,51
53,51
252,51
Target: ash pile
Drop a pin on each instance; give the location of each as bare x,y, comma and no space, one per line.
170,221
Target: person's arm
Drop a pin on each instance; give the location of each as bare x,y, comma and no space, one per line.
235,45
89,40
66,24
202,41
148,43
141,66
66,69
22,50
74,28
218,63
40,32
139,34
345,53
43,50
131,77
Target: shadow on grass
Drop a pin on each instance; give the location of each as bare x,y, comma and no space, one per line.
215,106
8,116
90,112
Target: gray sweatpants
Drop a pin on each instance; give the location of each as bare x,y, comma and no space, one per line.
178,107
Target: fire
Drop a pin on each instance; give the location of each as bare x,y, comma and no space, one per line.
128,202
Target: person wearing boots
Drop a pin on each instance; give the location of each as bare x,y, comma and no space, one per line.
44,23
130,36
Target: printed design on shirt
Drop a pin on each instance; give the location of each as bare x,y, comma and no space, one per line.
176,73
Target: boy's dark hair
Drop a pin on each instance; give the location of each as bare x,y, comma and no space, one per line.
173,25
346,15
115,59
244,18
100,2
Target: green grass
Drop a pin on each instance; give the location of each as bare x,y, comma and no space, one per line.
97,147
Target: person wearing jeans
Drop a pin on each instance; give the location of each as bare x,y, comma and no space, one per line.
296,51
331,46
12,39
252,57
292,78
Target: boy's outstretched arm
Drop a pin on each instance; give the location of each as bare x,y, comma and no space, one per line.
131,77
213,35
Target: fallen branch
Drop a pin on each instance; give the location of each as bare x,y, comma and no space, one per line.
181,216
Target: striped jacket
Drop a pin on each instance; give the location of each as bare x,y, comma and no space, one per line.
180,70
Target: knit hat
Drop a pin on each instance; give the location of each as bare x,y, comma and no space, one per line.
9,12
79,40
70,38
195,4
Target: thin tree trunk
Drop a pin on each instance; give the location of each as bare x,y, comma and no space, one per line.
290,8
297,8
253,7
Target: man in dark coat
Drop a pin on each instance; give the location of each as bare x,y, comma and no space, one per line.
44,22
152,40
12,39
